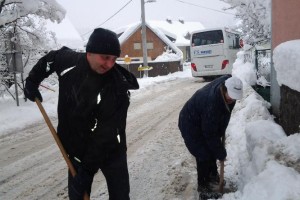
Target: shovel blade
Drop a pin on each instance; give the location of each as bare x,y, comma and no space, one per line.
210,195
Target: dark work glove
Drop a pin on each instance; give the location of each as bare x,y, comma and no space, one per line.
222,154
31,91
80,184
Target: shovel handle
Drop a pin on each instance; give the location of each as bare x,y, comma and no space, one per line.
58,142
221,183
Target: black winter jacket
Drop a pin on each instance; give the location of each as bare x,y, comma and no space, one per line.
204,119
92,108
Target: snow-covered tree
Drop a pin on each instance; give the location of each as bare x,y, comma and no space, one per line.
13,10
26,20
255,18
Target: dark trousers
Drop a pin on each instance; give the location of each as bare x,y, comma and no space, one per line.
115,172
205,169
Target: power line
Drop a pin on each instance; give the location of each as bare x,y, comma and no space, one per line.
108,18
204,7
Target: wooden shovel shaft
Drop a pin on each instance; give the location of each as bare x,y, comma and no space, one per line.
58,142
221,183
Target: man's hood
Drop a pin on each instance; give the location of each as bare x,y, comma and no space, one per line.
125,79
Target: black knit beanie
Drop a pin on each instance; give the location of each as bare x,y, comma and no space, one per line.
104,41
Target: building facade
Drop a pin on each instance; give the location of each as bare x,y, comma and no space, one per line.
285,27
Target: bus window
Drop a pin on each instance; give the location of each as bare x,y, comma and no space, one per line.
209,37
238,41
233,40
196,42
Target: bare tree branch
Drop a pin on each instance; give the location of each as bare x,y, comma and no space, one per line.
30,33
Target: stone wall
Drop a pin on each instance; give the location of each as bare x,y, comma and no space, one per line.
290,110
159,68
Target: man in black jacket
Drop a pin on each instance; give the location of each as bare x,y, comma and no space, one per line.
92,110
203,121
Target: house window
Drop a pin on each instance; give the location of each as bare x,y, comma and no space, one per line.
150,45
137,46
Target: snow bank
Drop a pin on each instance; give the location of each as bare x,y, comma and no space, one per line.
263,162
275,182
245,71
260,136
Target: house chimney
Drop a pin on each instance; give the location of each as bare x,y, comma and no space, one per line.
169,20
187,35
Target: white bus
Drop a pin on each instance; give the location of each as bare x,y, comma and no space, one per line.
213,51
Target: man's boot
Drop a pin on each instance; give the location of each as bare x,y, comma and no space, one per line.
205,193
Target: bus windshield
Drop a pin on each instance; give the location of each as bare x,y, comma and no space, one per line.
208,37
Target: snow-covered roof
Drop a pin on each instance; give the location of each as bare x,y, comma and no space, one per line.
127,32
178,28
174,29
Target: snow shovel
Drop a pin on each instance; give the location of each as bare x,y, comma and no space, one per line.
217,194
58,142
221,183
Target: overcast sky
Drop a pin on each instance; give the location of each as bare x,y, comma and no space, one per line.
86,15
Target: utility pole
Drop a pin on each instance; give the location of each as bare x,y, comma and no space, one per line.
144,38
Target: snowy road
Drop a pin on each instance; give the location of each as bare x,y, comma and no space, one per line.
159,165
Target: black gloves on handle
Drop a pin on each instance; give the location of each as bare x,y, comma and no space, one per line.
81,183
31,91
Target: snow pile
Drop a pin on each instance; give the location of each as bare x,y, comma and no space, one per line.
263,163
168,56
287,64
150,82
246,71
260,154
260,135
